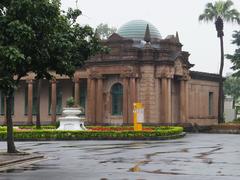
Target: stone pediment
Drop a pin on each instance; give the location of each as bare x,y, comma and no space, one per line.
181,69
183,58
178,66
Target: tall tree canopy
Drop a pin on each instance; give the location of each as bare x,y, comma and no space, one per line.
104,31
36,37
218,12
235,58
232,87
220,8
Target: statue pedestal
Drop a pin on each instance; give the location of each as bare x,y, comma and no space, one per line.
71,121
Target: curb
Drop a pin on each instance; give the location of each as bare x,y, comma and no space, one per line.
21,160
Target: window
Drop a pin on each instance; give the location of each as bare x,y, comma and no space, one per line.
117,99
2,104
58,98
34,100
83,94
210,103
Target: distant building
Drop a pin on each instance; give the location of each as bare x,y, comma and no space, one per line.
141,67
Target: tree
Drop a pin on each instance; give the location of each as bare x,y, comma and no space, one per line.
36,37
218,12
232,87
235,58
104,31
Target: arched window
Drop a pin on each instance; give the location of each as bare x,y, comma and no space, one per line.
117,99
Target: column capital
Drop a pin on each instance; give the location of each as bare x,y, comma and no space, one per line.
129,75
76,80
167,76
95,76
53,81
185,78
29,81
165,72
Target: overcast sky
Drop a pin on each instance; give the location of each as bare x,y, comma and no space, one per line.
169,16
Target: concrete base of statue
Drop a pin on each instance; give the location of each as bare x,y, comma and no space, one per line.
71,120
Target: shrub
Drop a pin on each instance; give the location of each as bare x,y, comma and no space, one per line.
70,102
47,134
3,128
34,127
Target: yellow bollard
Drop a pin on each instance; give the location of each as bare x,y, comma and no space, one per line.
138,114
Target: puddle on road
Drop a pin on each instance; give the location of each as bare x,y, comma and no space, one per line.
149,156
114,160
43,143
136,168
159,171
204,155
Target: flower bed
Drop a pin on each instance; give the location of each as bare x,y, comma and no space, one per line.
117,128
98,133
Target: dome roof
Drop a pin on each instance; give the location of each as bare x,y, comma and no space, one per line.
135,29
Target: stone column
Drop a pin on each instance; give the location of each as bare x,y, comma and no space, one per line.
166,97
183,101
87,108
132,98
92,101
30,101
125,100
99,99
187,101
53,101
77,91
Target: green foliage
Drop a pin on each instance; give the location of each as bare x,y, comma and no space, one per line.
236,120
170,129
3,128
34,127
57,124
161,133
70,102
221,9
235,58
104,31
36,37
232,87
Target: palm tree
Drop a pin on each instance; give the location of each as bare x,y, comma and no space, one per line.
218,12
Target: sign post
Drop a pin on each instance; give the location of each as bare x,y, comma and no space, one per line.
138,116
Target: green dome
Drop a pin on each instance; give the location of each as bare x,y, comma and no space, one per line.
135,29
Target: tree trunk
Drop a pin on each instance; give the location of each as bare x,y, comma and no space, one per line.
10,137
39,85
220,95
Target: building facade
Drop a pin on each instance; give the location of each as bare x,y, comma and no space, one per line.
141,67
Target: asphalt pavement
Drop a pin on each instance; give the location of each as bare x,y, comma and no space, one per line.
196,156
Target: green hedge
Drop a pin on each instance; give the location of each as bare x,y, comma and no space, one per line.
3,128
34,127
167,133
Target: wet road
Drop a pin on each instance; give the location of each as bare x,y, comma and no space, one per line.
197,156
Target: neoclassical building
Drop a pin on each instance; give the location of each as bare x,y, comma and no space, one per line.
141,67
